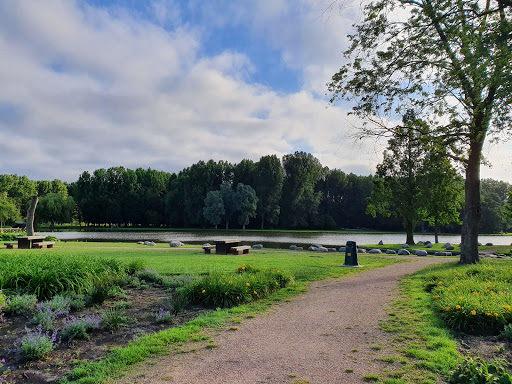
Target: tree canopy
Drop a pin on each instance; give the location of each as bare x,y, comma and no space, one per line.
450,63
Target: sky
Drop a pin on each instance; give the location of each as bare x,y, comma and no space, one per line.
163,84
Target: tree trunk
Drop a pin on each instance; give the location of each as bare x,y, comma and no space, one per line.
472,208
243,227
262,221
436,232
409,227
52,226
227,225
31,215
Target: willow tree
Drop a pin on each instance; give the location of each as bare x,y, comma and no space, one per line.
447,60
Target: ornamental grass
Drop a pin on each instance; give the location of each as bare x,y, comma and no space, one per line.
218,290
45,276
474,299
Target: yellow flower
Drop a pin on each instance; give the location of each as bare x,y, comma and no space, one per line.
238,297
243,267
447,309
203,291
436,297
507,307
277,283
475,293
488,314
457,306
440,283
248,284
255,292
460,298
473,313
495,314
501,293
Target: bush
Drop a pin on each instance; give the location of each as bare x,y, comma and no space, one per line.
507,333
44,317
476,299
11,236
175,282
113,318
149,276
163,316
478,372
36,344
218,290
77,328
134,266
21,304
51,238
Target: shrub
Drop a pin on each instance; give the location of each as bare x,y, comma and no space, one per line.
163,316
218,290
11,236
175,282
247,269
60,304
100,289
149,276
21,304
112,318
51,238
507,333
35,344
77,328
134,266
478,372
44,317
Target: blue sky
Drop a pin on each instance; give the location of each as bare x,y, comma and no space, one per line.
90,84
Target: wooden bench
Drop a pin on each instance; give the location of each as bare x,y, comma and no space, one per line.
11,245
242,248
208,249
41,244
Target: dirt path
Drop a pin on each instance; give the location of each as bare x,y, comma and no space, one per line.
328,335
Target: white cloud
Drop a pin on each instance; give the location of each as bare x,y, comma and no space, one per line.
87,88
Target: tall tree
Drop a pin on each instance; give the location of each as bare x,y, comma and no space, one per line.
450,62
231,201
213,209
8,209
443,191
248,204
55,208
300,200
268,183
397,190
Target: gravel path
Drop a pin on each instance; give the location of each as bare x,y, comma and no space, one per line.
328,335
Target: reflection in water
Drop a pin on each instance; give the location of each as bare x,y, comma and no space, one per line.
268,239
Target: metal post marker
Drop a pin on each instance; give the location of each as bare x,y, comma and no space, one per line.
351,256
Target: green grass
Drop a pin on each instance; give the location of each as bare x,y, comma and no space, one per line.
427,348
168,261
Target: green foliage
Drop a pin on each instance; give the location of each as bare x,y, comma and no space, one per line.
113,318
3,300
163,316
36,344
224,291
44,318
11,236
476,371
51,238
55,208
43,276
99,290
507,333
476,298
213,209
134,265
21,304
78,328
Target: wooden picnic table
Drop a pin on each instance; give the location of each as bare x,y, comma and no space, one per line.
223,247
27,242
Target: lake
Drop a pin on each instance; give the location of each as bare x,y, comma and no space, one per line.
269,239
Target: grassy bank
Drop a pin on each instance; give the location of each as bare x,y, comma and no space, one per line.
424,335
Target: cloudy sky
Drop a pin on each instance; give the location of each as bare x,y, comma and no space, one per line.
89,84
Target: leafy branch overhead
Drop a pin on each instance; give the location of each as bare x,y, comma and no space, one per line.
447,61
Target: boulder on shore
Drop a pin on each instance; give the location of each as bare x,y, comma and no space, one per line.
403,252
257,246
176,243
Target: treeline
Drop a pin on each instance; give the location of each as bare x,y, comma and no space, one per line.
295,192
